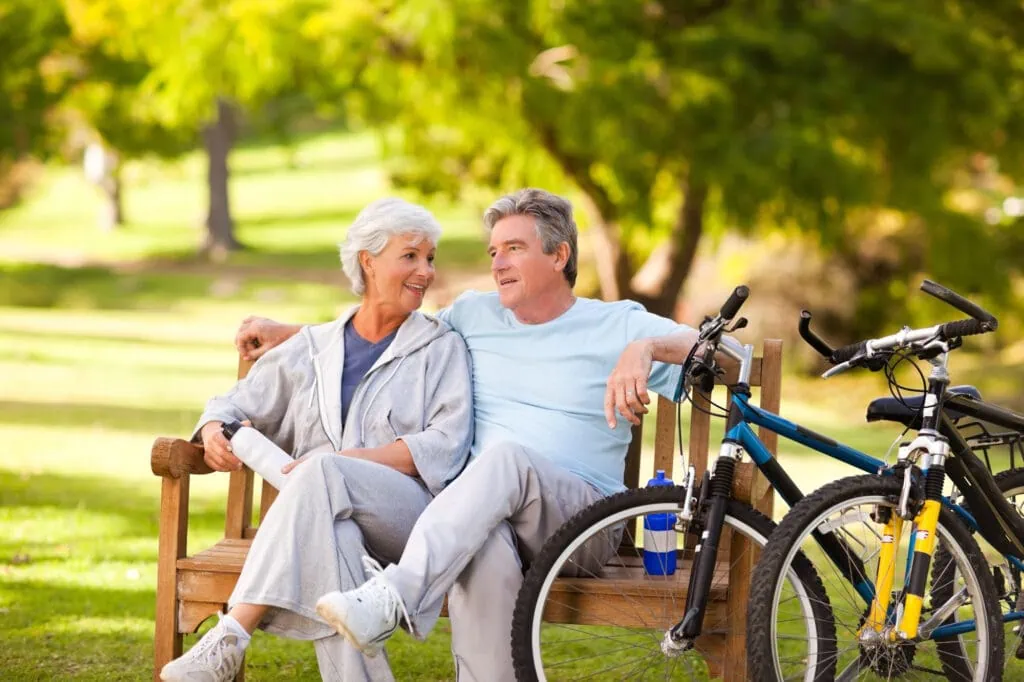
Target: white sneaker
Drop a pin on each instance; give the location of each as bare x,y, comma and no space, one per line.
216,657
368,615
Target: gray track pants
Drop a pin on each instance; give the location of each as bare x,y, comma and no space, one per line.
469,542
334,510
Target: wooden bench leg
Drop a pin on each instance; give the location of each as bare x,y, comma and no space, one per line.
740,571
712,647
173,539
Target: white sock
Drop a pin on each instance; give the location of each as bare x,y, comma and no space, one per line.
235,628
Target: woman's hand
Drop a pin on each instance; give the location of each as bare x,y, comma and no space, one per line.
257,335
217,449
627,384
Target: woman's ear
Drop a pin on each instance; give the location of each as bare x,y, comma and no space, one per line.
366,261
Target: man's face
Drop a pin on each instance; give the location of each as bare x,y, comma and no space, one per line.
523,272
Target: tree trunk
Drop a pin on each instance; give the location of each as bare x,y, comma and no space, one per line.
218,138
659,282
112,213
613,267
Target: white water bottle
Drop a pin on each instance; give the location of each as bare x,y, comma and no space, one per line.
258,452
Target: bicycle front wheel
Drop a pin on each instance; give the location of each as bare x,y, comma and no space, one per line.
609,622
960,592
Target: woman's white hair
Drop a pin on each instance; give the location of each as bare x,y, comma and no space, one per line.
376,225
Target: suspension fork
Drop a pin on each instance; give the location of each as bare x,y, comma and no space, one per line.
926,520
706,551
891,533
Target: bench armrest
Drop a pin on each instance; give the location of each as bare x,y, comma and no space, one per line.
174,458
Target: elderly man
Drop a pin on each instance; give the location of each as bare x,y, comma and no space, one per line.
550,370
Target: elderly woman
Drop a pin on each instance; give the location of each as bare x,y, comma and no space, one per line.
378,405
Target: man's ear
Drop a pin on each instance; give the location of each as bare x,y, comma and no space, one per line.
561,256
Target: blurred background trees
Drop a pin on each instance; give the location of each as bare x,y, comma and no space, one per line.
847,147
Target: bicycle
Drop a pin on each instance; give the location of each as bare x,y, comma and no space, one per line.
889,625
701,511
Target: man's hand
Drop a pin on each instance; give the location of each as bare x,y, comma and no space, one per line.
217,449
627,384
257,335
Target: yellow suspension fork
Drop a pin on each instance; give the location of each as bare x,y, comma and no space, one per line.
926,523
886,572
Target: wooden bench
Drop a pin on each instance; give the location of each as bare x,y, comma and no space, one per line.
190,589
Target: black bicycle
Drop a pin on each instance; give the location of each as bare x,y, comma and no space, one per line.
925,603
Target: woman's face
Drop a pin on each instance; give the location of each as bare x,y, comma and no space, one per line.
399,275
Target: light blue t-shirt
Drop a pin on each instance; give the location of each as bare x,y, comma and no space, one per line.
543,385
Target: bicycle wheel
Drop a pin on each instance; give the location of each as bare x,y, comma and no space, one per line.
852,509
552,637
1006,579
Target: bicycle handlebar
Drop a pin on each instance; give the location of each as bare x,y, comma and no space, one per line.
735,302
951,330
962,304
981,322
841,355
812,339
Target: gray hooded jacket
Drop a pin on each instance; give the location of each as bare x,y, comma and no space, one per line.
419,390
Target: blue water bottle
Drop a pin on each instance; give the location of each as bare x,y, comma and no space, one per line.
659,537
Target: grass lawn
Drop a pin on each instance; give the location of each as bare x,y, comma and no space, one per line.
108,340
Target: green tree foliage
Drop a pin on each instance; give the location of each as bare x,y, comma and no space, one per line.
207,62
32,76
677,120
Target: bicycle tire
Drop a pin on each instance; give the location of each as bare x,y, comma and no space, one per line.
1010,481
795,528
528,667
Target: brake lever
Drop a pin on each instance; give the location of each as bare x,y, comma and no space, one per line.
842,367
702,376
739,324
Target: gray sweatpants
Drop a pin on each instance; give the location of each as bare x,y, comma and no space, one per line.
334,510
470,542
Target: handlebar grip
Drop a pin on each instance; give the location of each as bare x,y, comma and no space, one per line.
960,303
735,302
952,330
841,355
812,339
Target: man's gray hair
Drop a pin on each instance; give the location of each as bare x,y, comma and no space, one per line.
376,225
551,214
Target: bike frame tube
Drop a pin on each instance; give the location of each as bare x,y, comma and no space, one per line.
987,412
742,433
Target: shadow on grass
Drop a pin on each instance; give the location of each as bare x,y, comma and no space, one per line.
52,628
27,336
90,633
91,287
62,632
137,508
114,417
161,284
